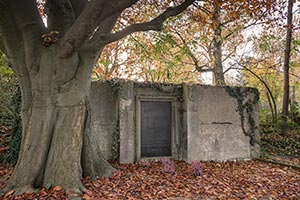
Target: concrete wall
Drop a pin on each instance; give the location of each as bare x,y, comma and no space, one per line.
207,123
127,123
214,128
104,105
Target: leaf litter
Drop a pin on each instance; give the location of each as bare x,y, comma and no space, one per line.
218,180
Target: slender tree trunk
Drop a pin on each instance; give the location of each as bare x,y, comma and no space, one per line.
293,102
217,45
269,94
271,107
286,85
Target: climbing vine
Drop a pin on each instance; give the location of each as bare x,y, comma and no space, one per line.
116,85
164,87
116,142
245,106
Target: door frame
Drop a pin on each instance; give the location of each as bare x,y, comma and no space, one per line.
174,124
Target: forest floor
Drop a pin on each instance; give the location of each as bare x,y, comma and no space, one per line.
275,176
219,180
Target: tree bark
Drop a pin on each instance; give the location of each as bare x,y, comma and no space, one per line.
58,146
286,80
217,45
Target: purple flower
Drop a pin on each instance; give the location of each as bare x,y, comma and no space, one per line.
168,166
197,168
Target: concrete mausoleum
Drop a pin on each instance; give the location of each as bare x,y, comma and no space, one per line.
134,121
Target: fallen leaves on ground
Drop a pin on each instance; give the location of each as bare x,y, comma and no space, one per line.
226,180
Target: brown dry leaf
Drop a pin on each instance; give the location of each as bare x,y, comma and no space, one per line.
229,180
89,193
86,197
57,188
9,193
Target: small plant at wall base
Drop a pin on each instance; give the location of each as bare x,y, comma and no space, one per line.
197,168
168,166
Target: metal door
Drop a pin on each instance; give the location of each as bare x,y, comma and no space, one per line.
156,128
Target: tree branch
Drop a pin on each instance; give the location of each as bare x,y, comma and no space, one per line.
78,6
199,68
263,82
95,12
155,24
105,27
61,15
21,28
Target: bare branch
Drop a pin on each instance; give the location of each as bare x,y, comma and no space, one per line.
141,45
95,12
155,24
206,11
199,68
263,82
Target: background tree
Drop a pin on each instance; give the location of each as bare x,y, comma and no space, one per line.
53,65
211,31
286,67
267,56
149,56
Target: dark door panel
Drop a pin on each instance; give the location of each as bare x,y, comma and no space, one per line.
156,128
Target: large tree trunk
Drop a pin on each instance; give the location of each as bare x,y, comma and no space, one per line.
57,146
54,65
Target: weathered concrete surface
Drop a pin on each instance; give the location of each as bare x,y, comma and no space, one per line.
206,122
127,123
214,129
255,148
104,105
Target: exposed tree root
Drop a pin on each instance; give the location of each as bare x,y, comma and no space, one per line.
18,190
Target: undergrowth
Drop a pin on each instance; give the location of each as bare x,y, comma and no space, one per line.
274,143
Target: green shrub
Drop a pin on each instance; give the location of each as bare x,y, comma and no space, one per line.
10,108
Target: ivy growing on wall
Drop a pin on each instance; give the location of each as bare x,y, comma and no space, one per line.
116,85
116,142
245,108
163,87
